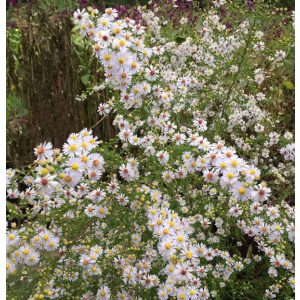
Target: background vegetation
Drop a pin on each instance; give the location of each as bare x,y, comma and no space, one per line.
48,65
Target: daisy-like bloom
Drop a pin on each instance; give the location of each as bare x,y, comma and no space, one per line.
125,135
90,210
179,138
168,176
228,179
29,194
192,165
252,173
277,260
259,76
187,156
181,172
122,199
103,109
97,195
12,238
264,228
189,253
47,184
151,73
221,165
256,208
10,173
166,248
251,230
82,190
259,46
123,295
135,140
94,174
98,250
210,254
277,228
103,23
113,187
110,14
235,211
10,266
32,259
126,172
70,178
273,213
96,162
163,157
234,163
261,194
52,243
129,274
16,256
272,272
193,291
80,16
101,211
25,251
13,194
72,148
200,124
292,282
203,294
241,191
85,261
183,272
210,176
290,228
43,151
75,165
103,293
149,281
182,294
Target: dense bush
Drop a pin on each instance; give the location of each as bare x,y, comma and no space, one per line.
194,197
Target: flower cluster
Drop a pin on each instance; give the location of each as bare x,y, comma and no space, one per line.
169,208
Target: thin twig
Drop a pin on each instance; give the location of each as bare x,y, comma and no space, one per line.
99,121
239,68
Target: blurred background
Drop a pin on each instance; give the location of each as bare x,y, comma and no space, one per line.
48,65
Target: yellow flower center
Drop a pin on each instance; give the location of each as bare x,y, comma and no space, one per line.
73,147
168,246
26,252
107,57
180,239
75,166
234,163
11,237
230,175
122,43
252,171
242,191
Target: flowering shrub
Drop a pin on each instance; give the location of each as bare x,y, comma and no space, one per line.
181,204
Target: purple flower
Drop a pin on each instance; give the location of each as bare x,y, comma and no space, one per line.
83,2
250,4
12,2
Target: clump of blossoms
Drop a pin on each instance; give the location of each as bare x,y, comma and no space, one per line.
165,210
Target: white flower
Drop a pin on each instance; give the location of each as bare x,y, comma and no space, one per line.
103,293
163,157
43,151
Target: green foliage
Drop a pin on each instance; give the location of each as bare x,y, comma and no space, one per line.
15,106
